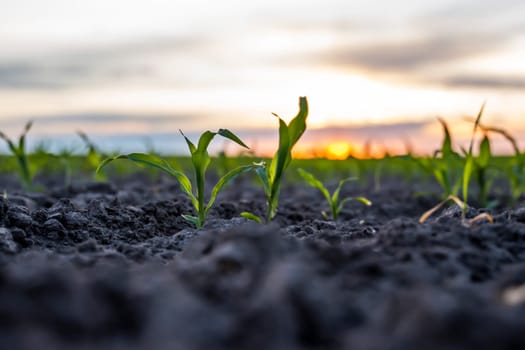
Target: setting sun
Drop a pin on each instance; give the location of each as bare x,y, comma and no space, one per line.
338,150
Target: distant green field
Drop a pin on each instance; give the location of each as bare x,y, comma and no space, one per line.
462,176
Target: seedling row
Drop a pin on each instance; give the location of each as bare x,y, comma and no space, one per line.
465,177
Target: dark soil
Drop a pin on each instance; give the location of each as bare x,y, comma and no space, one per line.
114,266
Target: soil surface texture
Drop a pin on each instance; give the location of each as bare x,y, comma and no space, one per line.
114,266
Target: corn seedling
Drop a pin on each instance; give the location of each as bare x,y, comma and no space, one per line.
334,201
271,175
516,171
200,160
443,165
481,167
470,163
464,221
65,157
93,156
41,155
19,152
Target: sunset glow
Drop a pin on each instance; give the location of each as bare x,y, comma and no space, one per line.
159,66
338,150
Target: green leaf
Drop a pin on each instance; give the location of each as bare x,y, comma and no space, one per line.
467,174
165,166
230,135
503,133
20,154
263,176
485,153
204,141
442,180
93,154
201,160
27,127
193,219
84,137
279,159
225,179
446,147
156,162
335,195
476,125
106,161
251,216
298,125
288,136
93,158
10,144
276,169
274,201
363,200
190,144
22,140
314,182
470,162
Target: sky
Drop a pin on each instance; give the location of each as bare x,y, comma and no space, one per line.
133,72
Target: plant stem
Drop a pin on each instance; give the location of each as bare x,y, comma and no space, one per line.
200,198
26,176
269,211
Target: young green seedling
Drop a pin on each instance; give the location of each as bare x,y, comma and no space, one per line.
515,172
64,156
444,165
468,169
94,156
19,152
200,160
271,176
481,170
470,162
334,201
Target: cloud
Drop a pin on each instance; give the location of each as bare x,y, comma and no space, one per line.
93,65
100,118
435,39
411,55
380,130
376,131
23,75
486,12
485,82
